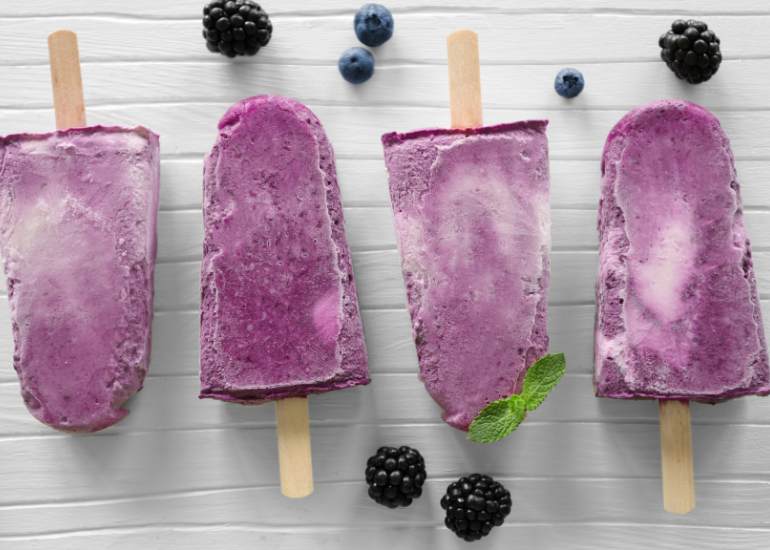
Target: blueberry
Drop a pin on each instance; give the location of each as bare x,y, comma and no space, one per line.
356,65
373,24
569,83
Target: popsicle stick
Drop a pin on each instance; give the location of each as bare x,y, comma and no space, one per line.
65,78
464,79
294,447
676,455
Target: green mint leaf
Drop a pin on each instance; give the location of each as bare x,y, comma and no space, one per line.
497,420
541,378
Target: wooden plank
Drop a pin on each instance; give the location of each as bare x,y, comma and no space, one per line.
355,131
181,8
154,462
504,87
324,38
541,534
570,501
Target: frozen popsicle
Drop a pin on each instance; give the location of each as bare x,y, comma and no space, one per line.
472,216
678,314
78,211
279,314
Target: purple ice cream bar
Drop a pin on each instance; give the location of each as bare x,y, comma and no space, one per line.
678,312
78,212
279,314
472,216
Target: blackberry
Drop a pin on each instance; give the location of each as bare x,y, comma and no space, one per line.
691,50
474,505
235,27
395,476
356,65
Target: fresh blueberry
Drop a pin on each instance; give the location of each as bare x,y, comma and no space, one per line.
373,24
356,65
569,83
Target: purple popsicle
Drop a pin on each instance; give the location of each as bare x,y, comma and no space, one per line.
279,314
472,216
78,212
678,312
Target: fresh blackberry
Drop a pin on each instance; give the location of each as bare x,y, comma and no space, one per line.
235,27
691,50
474,505
395,476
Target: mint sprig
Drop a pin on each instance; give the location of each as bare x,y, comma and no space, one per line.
501,417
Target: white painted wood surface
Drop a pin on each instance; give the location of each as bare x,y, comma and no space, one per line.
184,473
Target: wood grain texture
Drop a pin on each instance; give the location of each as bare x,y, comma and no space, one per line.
317,39
66,80
294,454
525,87
465,105
179,9
676,456
185,473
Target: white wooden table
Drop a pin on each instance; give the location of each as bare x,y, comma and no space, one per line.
180,473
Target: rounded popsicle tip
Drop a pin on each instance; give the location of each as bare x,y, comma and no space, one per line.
88,419
62,34
462,34
663,111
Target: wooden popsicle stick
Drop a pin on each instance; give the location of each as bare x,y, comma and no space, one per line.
294,447
65,78
464,79
676,456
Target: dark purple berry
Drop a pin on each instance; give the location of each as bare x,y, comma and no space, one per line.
692,33
474,505
223,24
241,24
678,26
392,480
